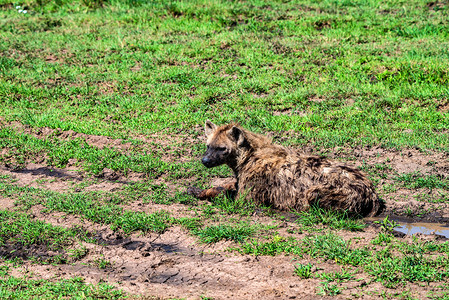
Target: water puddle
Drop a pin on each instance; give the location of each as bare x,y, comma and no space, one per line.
424,228
409,227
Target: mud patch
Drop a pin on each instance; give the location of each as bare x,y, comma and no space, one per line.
12,250
173,265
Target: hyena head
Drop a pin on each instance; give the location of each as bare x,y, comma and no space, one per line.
223,143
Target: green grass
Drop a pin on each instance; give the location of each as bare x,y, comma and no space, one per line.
343,73
387,268
333,247
234,205
22,288
416,180
304,271
86,206
275,246
331,218
24,148
21,236
337,276
213,234
413,264
329,289
190,223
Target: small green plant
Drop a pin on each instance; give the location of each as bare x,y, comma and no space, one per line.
235,205
57,259
102,263
389,188
327,289
213,234
333,247
383,238
275,246
332,218
342,276
189,223
4,269
304,270
78,253
387,225
94,3
208,210
417,180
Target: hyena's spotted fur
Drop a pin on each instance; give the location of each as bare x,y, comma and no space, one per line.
283,178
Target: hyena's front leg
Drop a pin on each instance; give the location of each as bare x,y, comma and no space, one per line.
227,185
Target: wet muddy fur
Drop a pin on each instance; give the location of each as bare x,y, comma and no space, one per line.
282,178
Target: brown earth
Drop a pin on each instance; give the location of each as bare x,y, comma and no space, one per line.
176,264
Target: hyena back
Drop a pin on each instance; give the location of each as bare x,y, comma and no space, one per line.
282,178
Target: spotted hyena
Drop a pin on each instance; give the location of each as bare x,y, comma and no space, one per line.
281,177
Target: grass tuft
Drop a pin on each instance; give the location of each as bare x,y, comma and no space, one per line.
332,218
86,206
236,233
22,288
304,270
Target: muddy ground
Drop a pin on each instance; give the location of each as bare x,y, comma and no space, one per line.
176,265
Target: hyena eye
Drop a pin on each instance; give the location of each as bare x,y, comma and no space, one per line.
222,149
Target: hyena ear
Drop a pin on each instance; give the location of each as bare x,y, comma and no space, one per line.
238,135
209,127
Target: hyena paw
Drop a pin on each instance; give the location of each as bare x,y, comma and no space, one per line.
194,191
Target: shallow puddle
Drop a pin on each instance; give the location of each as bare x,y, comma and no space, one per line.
424,228
410,227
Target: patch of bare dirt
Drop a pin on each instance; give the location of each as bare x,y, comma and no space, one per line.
444,107
169,270
7,204
405,160
37,175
